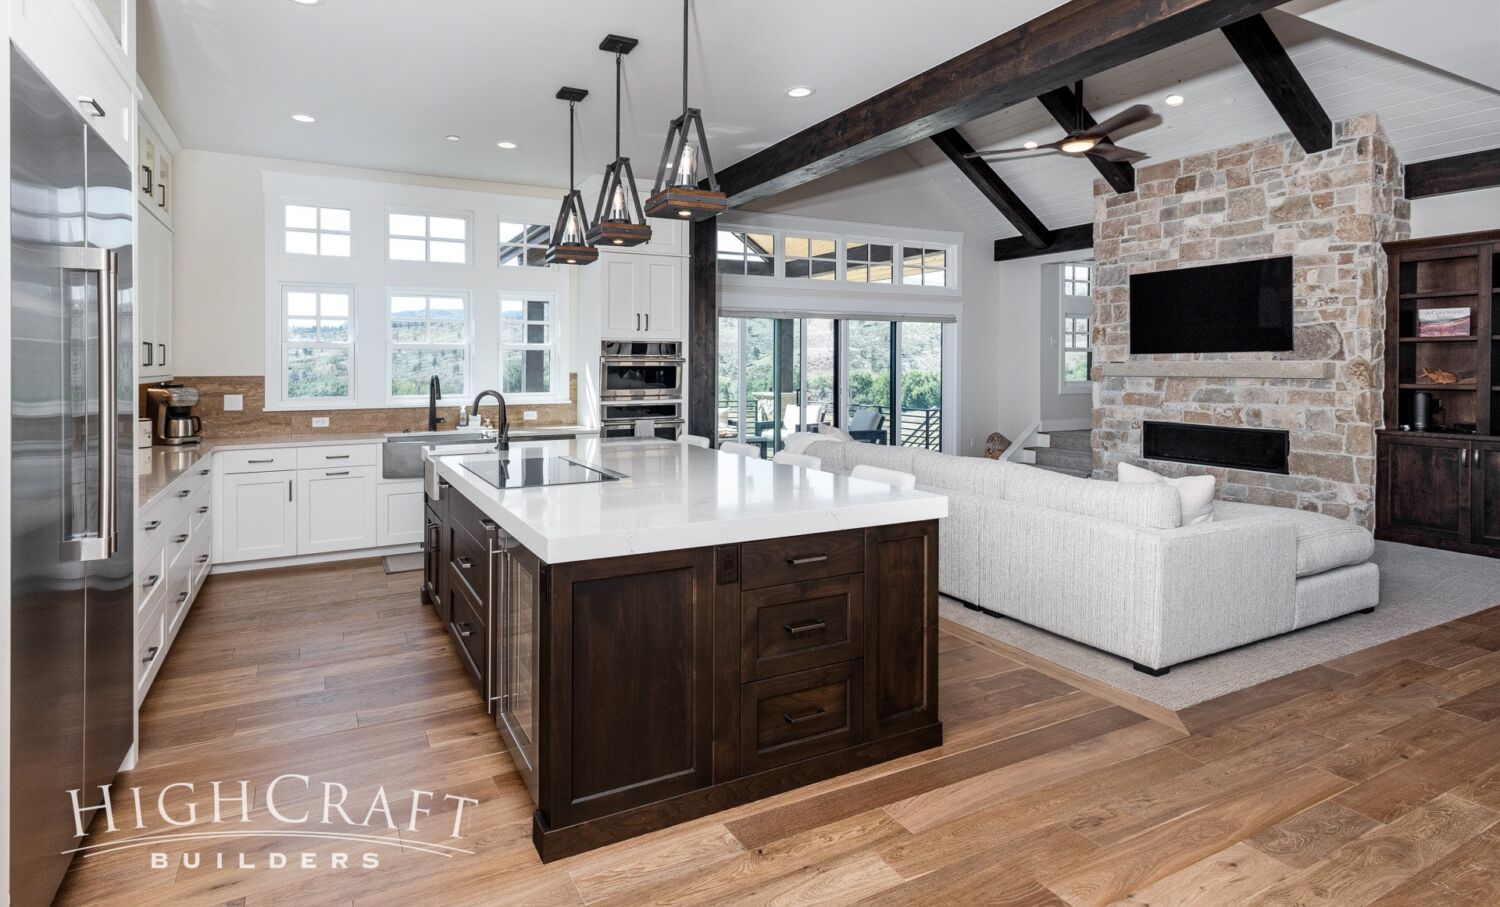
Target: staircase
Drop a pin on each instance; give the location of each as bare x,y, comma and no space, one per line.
1068,452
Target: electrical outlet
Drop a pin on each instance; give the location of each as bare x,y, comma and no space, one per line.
528,415
234,403
320,421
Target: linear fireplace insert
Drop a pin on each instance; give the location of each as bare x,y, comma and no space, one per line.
1255,449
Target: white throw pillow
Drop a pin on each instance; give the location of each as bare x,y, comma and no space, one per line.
1196,492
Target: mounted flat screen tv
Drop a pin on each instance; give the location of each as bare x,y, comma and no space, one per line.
1243,307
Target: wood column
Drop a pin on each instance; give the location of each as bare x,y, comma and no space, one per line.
703,327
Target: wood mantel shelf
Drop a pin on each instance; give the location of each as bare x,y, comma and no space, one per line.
1218,368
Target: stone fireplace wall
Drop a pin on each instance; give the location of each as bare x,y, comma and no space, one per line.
1330,211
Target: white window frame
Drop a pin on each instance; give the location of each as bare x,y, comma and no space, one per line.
745,259
288,344
860,240
501,244
783,257
318,232
427,238
556,343
1064,386
924,270
1072,282
391,345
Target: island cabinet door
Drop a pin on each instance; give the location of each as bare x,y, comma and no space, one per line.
901,599
627,682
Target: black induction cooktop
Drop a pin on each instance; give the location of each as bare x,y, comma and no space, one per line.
537,470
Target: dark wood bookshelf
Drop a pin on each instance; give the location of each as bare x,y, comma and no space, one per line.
1470,339
1440,294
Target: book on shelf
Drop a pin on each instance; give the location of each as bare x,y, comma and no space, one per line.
1452,322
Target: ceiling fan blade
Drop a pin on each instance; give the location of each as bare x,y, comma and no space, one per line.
1050,146
1127,117
1111,152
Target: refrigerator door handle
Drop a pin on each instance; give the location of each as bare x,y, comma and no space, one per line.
105,265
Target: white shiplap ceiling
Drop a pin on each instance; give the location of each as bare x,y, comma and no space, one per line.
1426,111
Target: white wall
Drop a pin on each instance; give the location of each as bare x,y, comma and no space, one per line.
218,248
1459,212
1070,408
894,189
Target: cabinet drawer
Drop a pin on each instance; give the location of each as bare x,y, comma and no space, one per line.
151,580
468,628
179,597
776,562
800,626
469,562
179,540
336,455
269,460
790,718
151,522
150,650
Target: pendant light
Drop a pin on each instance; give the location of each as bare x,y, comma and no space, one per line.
618,218
685,162
570,244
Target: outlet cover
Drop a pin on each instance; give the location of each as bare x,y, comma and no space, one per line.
320,421
528,415
234,403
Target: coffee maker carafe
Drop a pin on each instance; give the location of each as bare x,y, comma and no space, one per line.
170,409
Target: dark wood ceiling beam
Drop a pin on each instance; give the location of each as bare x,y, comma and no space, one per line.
1460,173
1078,39
1282,82
992,187
1068,239
1062,103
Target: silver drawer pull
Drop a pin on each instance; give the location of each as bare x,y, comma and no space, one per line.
181,538
810,626
342,472
150,655
184,493
151,581
335,456
805,716
271,460
464,629
464,563
86,101
804,561
151,526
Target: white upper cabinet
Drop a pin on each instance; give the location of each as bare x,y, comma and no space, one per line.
73,44
642,296
153,281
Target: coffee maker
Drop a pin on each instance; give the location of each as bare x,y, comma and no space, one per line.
170,409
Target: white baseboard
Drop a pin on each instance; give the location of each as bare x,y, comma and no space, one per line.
1066,425
328,558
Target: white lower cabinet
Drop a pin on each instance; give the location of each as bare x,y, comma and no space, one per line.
335,509
173,551
258,515
399,517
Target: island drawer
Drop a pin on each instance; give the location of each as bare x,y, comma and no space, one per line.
790,718
469,562
800,626
776,562
468,628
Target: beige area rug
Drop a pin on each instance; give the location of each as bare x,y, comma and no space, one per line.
1419,588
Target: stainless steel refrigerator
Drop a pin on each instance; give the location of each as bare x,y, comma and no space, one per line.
71,486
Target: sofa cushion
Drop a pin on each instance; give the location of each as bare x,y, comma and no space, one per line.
830,452
975,476
859,454
1195,492
1323,542
1150,506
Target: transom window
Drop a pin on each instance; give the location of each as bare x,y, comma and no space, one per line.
528,341
924,267
1077,359
524,245
429,335
866,262
812,258
748,253
313,230
317,349
428,237
1078,280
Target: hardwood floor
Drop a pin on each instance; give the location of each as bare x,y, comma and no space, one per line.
1374,779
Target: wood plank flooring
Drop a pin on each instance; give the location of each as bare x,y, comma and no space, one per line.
1374,779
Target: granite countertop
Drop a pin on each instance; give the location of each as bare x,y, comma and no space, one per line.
158,467
677,496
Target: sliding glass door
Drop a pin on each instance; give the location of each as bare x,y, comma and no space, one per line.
882,381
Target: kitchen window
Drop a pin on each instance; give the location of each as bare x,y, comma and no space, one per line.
317,349
529,359
867,262
1077,280
924,267
429,335
747,253
315,230
812,258
428,237
1076,357
524,245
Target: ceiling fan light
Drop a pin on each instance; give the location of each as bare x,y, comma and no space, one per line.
1078,145
1030,146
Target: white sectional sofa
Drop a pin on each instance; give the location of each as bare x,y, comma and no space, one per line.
1111,565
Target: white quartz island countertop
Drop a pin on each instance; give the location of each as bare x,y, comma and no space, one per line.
676,496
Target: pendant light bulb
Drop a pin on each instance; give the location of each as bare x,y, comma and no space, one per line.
687,166
617,205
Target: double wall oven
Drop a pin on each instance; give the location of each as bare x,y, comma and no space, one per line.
640,389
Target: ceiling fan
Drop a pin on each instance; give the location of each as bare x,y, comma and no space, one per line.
1092,141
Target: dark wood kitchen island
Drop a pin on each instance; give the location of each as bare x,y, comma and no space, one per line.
740,629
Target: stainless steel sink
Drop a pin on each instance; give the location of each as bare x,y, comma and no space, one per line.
401,454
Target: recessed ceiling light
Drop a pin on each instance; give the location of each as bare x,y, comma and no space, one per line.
304,118
506,145
307,2
452,138
1175,100
1030,146
799,91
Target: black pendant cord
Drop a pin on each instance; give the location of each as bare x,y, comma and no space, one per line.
685,4
617,105
572,122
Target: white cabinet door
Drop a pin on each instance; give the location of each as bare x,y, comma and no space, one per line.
259,515
153,282
335,509
399,515
74,50
661,297
621,289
